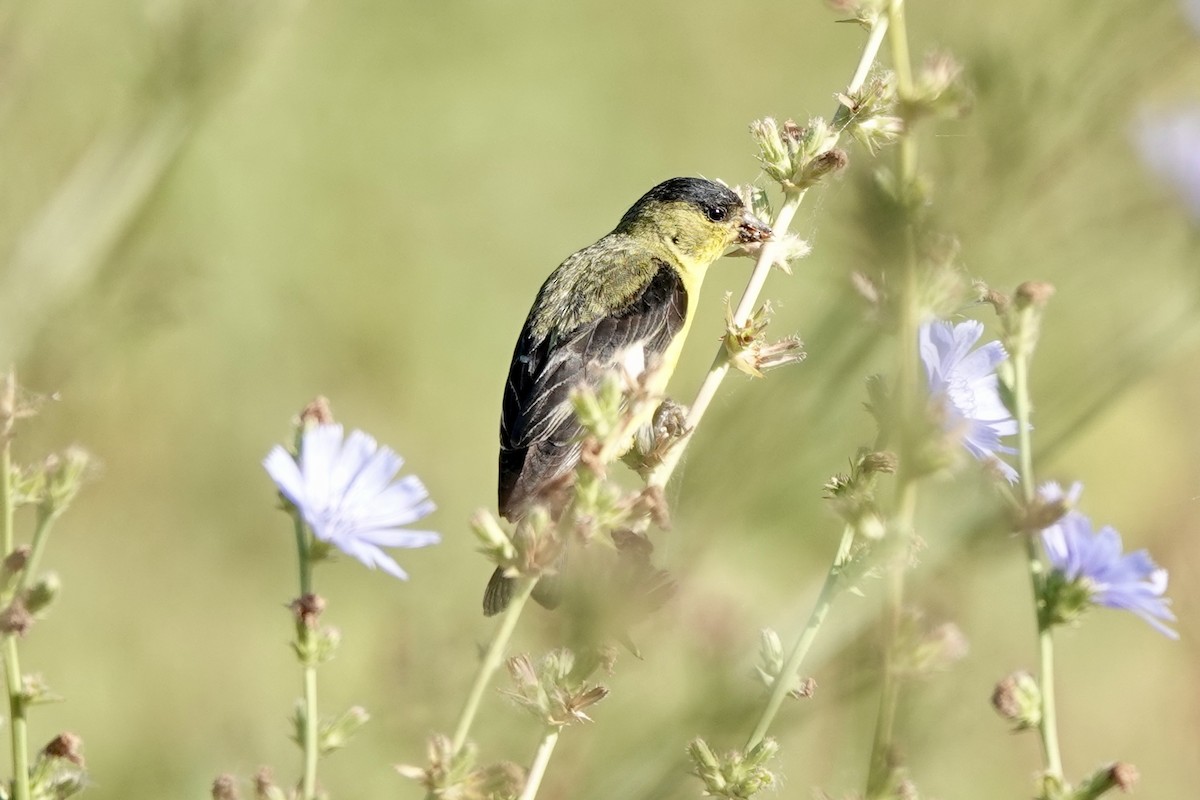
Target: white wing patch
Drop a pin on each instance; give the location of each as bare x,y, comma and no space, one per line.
632,360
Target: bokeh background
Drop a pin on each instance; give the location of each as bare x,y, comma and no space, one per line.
212,211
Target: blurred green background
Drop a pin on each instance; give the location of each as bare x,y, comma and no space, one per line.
213,211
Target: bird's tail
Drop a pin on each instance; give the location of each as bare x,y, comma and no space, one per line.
499,592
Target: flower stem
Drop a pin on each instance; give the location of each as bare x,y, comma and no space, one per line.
303,555
311,721
19,724
491,661
14,684
538,768
1048,726
8,410
41,533
786,677
661,474
306,632
881,768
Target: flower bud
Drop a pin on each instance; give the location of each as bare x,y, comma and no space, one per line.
553,690
13,565
495,542
735,775
308,609
65,745
1034,294
225,788
59,770
938,649
337,733
1120,775
42,593
264,786
880,461
317,412
35,691
812,171
939,90
1023,322
15,619
64,475
1018,699
771,666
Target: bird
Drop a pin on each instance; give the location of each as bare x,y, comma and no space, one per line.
624,302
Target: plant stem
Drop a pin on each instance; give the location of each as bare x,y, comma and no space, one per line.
302,554
305,632
41,533
881,768
8,410
661,474
538,768
311,721
1023,411
14,684
491,661
879,772
18,723
783,682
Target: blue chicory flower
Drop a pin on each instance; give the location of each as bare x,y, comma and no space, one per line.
1169,144
345,491
965,382
1093,559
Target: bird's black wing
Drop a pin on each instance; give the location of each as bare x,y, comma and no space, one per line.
538,428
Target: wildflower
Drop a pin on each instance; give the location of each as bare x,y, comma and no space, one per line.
965,383
1169,145
1091,563
345,491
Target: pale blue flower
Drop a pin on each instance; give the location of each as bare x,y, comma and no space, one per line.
345,491
965,383
1094,560
1169,144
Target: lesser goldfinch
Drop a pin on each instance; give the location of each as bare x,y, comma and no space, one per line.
626,301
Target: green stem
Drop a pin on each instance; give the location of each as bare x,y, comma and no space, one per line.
1049,724
8,408
311,721
783,220
902,66
12,661
538,768
783,682
306,632
45,520
880,769
491,661
303,555
1023,411
18,723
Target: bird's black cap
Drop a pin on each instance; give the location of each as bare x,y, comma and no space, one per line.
716,200
697,191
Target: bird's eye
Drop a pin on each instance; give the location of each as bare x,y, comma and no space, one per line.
717,213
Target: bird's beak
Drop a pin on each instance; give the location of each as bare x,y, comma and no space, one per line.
752,229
